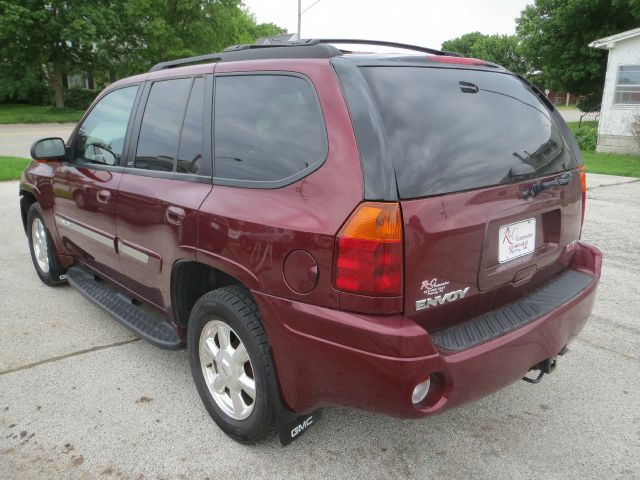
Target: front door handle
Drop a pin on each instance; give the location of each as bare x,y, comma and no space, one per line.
103,196
175,215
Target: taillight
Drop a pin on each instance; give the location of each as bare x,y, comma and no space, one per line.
583,182
368,258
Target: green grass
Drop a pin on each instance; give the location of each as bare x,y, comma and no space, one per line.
12,167
585,123
18,113
566,107
612,163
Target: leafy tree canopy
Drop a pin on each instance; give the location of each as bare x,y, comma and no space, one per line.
501,49
40,40
555,37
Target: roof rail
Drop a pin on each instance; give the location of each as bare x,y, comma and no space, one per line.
382,43
304,48
211,57
295,49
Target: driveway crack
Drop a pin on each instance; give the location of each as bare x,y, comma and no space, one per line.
67,355
613,184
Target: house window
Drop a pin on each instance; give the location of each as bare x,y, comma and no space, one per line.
628,85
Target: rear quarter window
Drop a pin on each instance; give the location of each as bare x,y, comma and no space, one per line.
449,130
268,129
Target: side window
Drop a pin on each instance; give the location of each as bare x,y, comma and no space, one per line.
628,85
100,138
190,151
266,127
160,129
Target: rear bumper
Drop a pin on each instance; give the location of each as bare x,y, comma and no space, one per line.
329,357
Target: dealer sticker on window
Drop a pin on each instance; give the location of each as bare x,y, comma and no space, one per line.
517,239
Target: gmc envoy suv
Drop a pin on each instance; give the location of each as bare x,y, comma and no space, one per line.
392,232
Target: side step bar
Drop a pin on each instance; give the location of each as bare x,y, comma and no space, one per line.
141,320
492,324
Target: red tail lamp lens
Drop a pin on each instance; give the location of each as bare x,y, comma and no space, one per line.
583,182
369,251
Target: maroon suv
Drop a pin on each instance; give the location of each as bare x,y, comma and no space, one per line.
398,233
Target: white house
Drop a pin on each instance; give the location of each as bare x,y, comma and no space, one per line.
621,97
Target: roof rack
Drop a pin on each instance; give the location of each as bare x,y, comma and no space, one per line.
382,43
304,48
295,49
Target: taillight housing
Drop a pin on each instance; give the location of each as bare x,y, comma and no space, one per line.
368,253
583,183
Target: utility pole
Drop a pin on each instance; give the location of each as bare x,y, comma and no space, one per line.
300,12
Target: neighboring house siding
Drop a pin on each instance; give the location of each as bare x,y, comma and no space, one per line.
614,133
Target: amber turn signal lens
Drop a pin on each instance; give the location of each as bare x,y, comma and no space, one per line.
369,257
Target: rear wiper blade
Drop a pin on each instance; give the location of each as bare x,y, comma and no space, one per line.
536,188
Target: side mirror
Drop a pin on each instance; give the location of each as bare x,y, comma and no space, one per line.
48,150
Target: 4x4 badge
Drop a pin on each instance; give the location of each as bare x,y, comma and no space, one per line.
440,299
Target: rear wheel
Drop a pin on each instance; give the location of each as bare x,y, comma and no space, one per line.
43,252
231,364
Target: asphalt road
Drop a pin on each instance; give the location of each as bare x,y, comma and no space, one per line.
80,397
16,139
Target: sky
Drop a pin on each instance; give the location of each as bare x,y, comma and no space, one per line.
427,23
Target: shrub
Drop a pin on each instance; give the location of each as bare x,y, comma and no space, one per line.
587,137
78,98
590,103
634,126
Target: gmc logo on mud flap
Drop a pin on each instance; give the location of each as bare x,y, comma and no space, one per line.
440,299
298,429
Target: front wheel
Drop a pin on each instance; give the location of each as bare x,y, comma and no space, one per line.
231,364
43,252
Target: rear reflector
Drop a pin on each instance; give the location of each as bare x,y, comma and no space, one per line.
583,183
368,258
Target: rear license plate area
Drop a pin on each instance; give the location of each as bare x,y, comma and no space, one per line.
516,240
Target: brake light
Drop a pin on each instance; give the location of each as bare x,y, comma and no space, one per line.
368,256
458,60
583,183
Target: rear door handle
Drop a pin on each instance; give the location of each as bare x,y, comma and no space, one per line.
175,215
103,196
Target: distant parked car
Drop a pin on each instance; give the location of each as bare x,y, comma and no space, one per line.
398,233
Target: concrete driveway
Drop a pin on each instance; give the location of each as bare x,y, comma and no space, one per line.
80,397
16,139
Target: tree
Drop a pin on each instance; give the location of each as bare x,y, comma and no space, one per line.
152,31
464,44
501,49
555,35
55,36
41,41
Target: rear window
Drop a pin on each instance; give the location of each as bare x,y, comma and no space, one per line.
449,130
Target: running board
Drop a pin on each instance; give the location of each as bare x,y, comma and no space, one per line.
141,320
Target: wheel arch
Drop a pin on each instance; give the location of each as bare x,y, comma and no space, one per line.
27,198
190,279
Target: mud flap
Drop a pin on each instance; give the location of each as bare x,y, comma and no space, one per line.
291,426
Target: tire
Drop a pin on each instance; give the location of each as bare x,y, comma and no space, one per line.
46,263
220,376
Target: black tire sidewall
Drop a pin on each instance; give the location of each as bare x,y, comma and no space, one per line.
52,277
260,423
